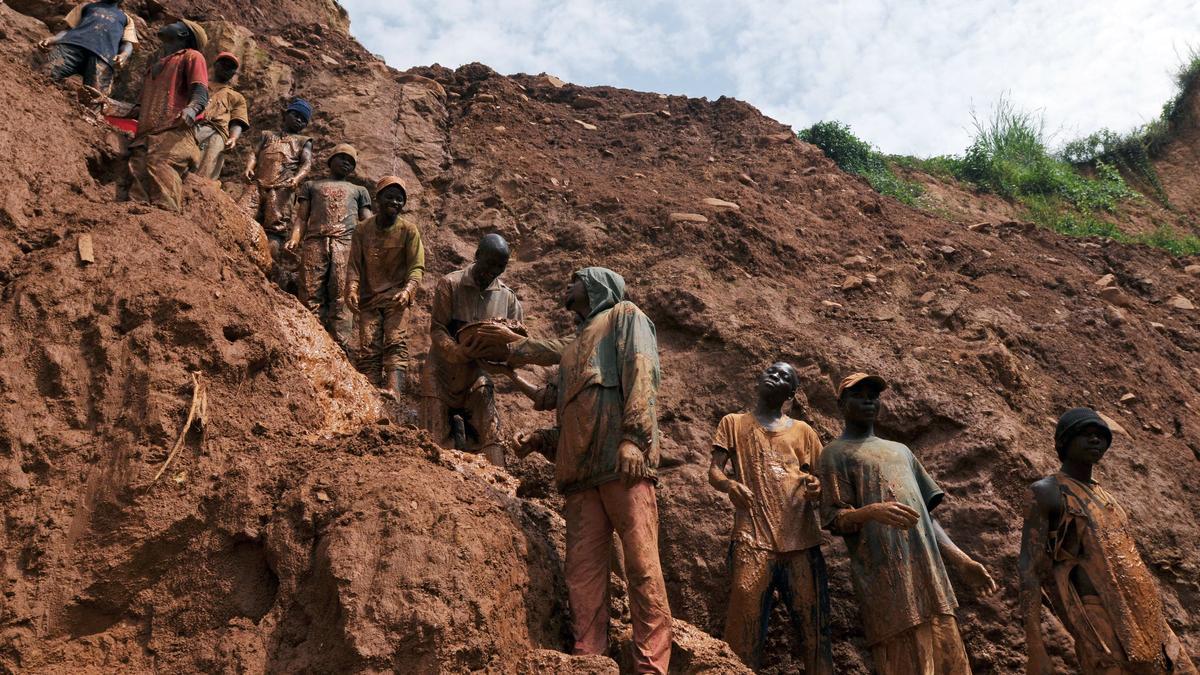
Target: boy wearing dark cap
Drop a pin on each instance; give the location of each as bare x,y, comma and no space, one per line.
878,497
225,118
174,93
98,40
279,165
1078,553
328,210
387,260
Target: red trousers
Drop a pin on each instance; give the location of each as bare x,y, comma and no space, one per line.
591,517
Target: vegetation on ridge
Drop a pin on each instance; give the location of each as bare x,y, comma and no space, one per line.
1076,191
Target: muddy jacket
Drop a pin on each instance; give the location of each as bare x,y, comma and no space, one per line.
607,387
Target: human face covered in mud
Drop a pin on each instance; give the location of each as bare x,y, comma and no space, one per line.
391,202
575,299
1087,446
777,383
860,404
342,165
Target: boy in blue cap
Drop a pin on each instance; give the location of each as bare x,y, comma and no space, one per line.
98,40
280,164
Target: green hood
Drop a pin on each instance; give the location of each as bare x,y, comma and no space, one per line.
605,288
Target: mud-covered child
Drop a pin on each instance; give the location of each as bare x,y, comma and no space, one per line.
327,212
225,118
878,497
387,260
278,166
776,535
1078,553
98,41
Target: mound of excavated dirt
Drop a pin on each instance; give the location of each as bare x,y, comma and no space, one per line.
294,532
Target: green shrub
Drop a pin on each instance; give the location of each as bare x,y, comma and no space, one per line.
1134,152
857,156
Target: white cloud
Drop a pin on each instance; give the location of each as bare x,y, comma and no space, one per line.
905,74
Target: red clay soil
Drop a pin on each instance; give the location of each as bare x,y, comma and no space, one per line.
299,532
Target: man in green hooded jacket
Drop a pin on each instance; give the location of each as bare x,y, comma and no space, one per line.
605,451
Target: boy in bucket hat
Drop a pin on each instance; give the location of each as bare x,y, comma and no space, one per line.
225,118
878,497
327,211
387,259
279,165
1078,552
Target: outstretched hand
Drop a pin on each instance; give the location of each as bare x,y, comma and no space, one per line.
976,576
494,334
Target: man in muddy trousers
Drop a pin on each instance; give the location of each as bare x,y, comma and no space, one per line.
225,118
876,494
606,452
387,259
776,539
327,213
278,166
1078,556
174,93
455,384
98,41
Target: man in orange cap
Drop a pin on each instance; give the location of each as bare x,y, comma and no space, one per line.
225,118
387,260
327,212
877,496
1078,553
776,536
174,93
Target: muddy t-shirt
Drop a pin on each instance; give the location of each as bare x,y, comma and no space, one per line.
333,207
99,28
774,465
898,574
167,89
225,106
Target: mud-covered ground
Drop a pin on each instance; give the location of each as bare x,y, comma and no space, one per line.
297,531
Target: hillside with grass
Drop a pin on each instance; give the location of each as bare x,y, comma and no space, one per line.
1133,187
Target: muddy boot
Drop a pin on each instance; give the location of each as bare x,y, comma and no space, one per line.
494,453
458,431
396,381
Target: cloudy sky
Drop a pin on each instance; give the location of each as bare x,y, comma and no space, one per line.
905,74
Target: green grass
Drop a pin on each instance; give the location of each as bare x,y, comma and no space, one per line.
857,156
1134,151
1076,191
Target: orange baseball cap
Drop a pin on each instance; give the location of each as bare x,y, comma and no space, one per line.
229,56
855,378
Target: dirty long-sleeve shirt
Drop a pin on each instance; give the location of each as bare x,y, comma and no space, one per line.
606,393
458,301
383,260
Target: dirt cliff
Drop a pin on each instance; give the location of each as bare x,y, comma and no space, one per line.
298,531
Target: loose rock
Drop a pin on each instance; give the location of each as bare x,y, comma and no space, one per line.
720,203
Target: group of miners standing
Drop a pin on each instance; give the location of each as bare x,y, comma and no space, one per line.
359,267
347,265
